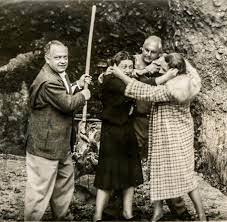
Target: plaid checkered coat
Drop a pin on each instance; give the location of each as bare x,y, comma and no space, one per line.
171,152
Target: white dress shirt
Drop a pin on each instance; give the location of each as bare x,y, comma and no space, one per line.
62,75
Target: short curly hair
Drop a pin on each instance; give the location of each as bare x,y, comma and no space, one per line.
117,58
154,39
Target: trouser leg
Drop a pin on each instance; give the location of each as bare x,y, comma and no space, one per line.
41,176
140,125
63,189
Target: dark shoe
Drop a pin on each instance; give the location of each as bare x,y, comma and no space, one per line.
68,217
130,219
94,220
186,216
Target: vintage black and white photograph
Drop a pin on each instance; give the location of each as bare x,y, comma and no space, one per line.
113,110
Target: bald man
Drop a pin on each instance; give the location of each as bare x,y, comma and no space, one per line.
150,63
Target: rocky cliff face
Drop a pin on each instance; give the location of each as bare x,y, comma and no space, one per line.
196,28
201,34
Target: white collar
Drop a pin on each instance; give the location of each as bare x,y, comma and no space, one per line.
63,74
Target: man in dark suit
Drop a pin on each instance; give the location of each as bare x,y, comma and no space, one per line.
53,101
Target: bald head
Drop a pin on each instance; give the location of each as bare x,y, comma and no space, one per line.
154,40
151,49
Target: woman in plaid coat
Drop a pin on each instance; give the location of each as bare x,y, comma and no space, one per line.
171,134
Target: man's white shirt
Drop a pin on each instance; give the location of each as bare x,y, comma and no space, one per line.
73,87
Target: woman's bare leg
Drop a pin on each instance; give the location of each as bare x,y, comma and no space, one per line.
158,211
127,202
102,199
196,199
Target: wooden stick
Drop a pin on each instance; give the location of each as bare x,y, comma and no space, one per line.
88,60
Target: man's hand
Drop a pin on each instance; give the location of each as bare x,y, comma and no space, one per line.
153,68
101,76
86,93
150,69
139,72
85,78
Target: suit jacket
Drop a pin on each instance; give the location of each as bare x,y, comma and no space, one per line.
51,115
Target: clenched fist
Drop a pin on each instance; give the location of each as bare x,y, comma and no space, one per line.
85,78
86,93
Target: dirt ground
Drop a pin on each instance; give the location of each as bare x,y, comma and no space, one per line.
12,189
195,28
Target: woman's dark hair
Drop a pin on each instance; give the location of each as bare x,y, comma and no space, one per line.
175,60
117,58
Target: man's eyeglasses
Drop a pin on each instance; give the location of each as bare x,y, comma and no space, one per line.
147,51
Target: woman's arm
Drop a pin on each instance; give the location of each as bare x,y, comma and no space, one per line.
170,74
142,91
119,74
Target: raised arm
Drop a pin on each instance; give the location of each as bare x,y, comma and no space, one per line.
142,91
56,95
145,92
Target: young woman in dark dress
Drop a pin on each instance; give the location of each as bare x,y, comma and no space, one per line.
119,166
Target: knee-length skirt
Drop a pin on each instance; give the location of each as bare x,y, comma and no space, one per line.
119,164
